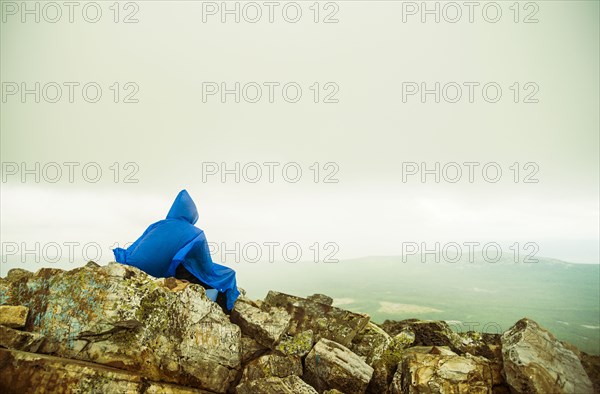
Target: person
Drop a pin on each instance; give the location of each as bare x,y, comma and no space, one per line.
175,247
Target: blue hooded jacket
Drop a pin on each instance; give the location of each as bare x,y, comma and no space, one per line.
175,240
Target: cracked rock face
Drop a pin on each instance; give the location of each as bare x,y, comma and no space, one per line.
439,370
426,332
20,340
118,316
274,385
272,365
384,366
325,321
370,343
265,326
536,362
22,372
251,349
330,365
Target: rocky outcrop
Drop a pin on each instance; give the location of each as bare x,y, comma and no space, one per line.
118,316
324,320
22,373
440,370
427,333
114,329
536,362
330,365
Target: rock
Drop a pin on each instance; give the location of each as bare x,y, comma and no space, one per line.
266,327
439,334
370,343
92,265
22,372
272,365
289,385
325,321
591,364
427,332
20,340
488,346
247,300
118,316
251,349
439,370
536,362
322,298
481,344
385,366
298,345
13,316
18,274
332,391
330,365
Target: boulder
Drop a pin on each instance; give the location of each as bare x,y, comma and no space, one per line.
92,265
13,316
20,340
251,349
536,362
325,321
17,274
330,365
272,365
265,326
434,369
322,298
591,364
22,372
439,334
298,345
386,364
289,385
119,316
370,343
481,344
489,346
427,332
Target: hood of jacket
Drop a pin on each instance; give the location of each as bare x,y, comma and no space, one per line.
183,208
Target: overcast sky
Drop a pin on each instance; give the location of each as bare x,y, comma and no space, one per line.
368,131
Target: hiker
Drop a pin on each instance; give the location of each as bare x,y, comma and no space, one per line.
175,247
